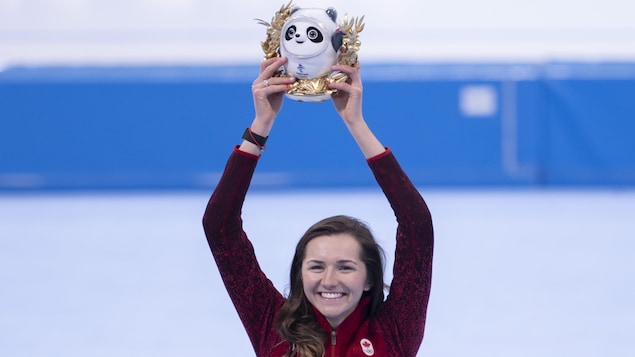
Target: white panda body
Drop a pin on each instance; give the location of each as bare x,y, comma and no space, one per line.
306,39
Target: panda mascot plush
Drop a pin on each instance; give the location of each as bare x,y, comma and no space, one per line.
311,39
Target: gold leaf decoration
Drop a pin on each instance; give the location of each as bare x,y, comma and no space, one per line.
350,41
271,45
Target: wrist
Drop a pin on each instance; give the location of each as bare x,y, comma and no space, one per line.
261,126
254,138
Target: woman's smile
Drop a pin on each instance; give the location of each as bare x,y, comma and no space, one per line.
331,296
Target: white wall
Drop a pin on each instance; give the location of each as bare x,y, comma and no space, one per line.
204,32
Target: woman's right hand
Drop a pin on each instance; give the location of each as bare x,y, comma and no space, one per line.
268,93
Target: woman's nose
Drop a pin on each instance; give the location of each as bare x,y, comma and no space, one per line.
330,278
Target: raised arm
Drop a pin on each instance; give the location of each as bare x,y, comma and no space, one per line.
348,104
268,93
403,315
253,295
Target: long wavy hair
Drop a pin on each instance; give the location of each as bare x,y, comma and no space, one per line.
296,321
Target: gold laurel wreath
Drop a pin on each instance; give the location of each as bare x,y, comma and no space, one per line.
348,52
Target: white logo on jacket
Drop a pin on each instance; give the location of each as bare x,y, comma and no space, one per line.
367,347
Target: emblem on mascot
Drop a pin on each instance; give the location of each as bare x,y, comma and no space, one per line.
313,41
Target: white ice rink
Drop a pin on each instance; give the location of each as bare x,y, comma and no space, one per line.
516,273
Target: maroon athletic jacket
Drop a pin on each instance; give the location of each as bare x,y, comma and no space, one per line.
397,328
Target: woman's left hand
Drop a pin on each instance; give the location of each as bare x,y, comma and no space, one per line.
348,98
348,103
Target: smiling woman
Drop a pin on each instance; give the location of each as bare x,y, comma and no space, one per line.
334,276
336,304
337,262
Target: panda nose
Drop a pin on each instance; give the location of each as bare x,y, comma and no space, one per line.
297,35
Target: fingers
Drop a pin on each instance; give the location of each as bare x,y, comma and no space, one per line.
351,87
266,83
272,84
269,66
352,72
354,78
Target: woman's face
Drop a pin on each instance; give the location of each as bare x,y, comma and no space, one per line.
334,276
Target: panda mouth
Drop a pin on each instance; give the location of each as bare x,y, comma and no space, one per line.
298,41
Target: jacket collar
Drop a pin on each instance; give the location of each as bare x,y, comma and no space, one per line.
347,329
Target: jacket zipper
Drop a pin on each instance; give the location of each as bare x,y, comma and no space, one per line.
333,342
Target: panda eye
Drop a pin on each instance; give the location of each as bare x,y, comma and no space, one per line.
290,33
314,35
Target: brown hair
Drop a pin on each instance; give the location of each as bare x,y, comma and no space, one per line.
296,322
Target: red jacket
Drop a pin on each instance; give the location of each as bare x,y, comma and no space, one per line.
396,330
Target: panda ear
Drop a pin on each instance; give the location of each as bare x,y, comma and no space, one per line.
332,14
336,40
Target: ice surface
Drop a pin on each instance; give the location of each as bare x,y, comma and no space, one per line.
516,273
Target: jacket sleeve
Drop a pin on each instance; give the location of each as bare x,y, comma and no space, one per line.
403,314
255,298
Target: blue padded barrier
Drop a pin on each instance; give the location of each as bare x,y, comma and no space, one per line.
449,124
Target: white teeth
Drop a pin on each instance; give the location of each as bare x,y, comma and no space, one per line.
332,295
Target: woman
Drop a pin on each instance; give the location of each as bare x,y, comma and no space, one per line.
336,301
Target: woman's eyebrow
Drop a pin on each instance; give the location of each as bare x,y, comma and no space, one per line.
314,261
341,261
346,261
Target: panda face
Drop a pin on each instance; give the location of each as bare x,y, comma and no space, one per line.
312,33
304,38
